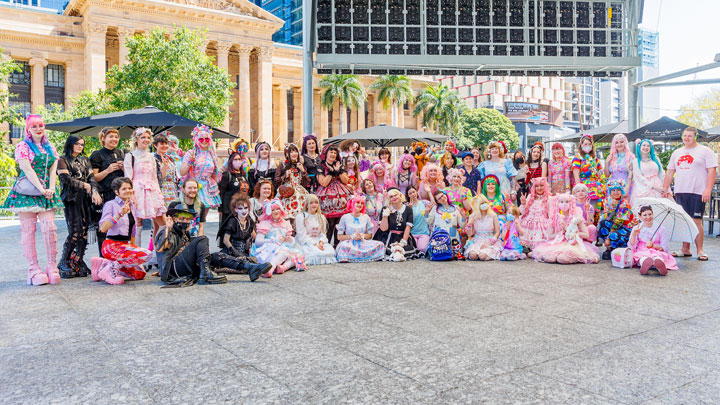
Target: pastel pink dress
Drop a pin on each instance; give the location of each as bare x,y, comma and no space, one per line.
558,172
141,168
659,236
647,177
481,242
536,223
564,250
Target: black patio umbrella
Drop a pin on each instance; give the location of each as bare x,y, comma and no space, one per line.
713,134
603,133
127,121
663,129
386,136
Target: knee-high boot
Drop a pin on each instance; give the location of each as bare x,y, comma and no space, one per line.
50,238
65,268
28,226
82,269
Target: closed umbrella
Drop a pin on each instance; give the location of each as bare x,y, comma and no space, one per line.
672,216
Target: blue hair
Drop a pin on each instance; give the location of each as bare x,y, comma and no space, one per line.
652,154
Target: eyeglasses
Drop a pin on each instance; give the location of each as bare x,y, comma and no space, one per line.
80,144
204,139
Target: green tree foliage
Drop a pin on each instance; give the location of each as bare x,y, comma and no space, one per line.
441,109
703,112
169,71
346,90
480,126
7,115
393,90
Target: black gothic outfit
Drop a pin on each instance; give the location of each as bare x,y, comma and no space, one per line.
397,222
312,168
100,160
78,213
229,184
240,236
255,175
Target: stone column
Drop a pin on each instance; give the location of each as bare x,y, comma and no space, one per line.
336,119
371,111
243,102
223,52
401,116
123,35
265,90
353,124
95,55
321,120
280,124
297,116
37,83
204,45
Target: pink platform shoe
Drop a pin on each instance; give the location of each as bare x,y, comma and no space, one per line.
36,277
110,274
96,264
53,274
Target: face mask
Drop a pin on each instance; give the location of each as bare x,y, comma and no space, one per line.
180,227
587,148
236,164
242,212
484,206
564,206
519,161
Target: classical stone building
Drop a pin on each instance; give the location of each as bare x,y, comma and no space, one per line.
62,54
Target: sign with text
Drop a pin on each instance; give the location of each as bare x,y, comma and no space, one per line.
532,112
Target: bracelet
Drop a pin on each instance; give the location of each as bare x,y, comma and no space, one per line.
113,220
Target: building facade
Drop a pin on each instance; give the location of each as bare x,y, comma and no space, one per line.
66,49
648,98
289,11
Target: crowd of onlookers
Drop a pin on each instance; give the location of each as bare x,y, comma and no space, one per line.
322,205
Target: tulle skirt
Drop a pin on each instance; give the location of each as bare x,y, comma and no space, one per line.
559,250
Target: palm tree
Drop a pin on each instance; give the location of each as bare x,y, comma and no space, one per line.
346,90
441,108
395,90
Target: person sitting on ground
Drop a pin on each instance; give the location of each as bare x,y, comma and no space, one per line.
237,232
185,260
650,244
618,219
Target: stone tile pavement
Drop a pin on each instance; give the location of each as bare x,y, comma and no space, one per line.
414,332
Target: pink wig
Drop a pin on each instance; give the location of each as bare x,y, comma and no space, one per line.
555,212
203,131
269,206
387,178
558,145
411,159
612,158
36,119
455,172
531,196
359,198
426,169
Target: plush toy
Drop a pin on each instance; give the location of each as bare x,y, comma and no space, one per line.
457,250
397,252
300,263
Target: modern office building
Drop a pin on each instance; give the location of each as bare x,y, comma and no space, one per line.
649,98
64,48
289,11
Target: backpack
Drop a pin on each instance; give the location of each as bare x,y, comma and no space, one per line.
439,248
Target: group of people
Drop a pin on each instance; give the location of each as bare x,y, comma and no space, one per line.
335,204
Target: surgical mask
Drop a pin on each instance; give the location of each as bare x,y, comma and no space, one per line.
180,227
564,206
242,212
587,148
484,206
519,161
236,164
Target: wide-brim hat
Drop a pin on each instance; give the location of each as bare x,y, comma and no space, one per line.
179,210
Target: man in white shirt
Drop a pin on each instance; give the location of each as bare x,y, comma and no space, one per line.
694,167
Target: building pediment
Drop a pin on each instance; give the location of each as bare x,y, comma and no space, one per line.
239,7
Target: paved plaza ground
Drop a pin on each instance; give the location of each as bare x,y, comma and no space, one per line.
414,332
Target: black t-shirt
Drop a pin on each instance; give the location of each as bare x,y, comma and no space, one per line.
101,159
240,238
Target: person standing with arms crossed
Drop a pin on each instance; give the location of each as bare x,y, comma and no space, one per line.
694,167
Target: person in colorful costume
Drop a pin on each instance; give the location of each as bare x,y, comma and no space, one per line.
174,151
580,192
333,191
536,214
406,174
355,234
536,165
420,154
617,221
142,168
648,173
491,190
430,181
445,216
473,178
483,230
500,166
619,164
311,160
311,234
569,244
274,242
510,234
395,226
458,195
169,175
420,230
380,175
588,170
291,180
650,244
34,198
201,163
559,175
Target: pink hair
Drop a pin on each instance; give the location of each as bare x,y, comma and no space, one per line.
424,172
531,196
411,158
267,210
612,158
558,145
555,212
387,178
351,203
455,172
44,142
198,133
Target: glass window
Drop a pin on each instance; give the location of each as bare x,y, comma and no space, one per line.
23,109
54,76
21,77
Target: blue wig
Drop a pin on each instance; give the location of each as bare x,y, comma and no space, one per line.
652,154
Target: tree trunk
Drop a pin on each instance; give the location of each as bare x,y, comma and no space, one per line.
394,114
342,112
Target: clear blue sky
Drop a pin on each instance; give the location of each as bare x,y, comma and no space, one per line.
689,36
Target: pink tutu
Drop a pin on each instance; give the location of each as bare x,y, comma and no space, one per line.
641,251
536,225
559,250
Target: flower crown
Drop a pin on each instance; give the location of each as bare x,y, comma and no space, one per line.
201,130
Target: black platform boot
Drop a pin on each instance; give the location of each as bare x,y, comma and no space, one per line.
66,271
255,270
208,276
82,269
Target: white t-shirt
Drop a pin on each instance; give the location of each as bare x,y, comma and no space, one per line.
691,168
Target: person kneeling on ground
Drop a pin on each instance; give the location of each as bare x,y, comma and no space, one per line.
185,260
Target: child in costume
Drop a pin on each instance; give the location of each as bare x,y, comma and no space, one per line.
311,233
510,234
274,242
617,221
484,230
569,245
580,192
350,164
536,214
650,245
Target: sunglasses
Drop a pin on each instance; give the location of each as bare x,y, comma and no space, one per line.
204,139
